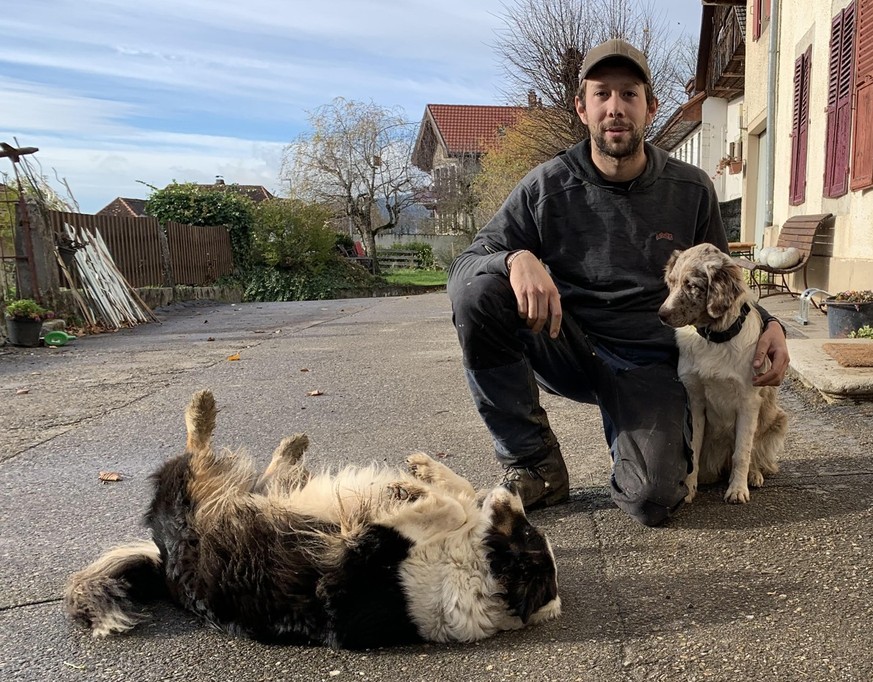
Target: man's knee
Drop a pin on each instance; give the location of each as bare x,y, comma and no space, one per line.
649,507
649,486
481,298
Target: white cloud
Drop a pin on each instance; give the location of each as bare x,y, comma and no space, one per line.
114,91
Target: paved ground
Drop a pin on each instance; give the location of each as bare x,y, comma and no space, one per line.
779,589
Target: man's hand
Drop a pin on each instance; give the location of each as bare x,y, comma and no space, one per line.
771,345
538,299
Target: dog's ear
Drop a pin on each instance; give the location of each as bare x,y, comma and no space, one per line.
725,286
670,263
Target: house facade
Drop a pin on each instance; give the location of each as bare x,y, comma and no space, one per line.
706,131
808,118
451,141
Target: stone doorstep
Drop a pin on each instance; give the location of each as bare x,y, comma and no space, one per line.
815,368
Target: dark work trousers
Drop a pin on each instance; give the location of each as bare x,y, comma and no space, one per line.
641,399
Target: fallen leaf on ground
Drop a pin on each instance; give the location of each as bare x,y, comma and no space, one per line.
109,476
441,455
233,357
211,338
315,392
304,369
22,391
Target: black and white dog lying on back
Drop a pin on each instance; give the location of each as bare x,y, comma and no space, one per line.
362,558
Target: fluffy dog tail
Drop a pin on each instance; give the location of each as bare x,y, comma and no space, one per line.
102,595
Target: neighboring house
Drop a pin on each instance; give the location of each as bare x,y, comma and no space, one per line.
706,131
256,193
821,127
124,208
135,208
450,143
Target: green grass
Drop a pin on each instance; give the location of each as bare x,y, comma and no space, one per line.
421,278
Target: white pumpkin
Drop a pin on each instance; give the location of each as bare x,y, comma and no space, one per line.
763,254
783,258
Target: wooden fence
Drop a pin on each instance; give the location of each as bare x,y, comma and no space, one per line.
198,255
148,256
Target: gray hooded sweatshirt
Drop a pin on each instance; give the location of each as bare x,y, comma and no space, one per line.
604,245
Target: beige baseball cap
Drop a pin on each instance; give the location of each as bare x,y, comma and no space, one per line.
615,49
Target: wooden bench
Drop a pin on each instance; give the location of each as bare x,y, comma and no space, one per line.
352,256
799,232
397,258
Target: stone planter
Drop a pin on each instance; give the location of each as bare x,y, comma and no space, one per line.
23,332
845,317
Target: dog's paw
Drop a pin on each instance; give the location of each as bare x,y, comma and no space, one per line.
403,491
421,466
737,493
691,484
756,478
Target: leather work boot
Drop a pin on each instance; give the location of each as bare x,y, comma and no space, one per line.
542,484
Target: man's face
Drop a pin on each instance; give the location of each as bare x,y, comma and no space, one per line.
615,111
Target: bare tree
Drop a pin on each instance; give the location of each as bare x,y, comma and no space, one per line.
543,42
356,160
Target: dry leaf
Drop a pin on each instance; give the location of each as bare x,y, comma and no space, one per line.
22,391
315,392
109,476
441,455
304,369
233,357
211,338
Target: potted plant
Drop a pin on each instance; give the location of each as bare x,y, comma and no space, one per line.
848,311
24,318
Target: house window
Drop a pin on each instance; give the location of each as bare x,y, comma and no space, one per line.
800,129
760,17
862,133
839,110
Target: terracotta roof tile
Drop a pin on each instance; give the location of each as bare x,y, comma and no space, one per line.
468,128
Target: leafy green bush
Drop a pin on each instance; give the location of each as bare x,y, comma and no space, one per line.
865,332
274,284
192,204
291,234
423,253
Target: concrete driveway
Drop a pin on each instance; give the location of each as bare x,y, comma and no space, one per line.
780,589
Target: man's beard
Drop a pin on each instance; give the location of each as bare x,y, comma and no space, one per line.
619,150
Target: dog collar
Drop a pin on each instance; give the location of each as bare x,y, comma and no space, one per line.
730,332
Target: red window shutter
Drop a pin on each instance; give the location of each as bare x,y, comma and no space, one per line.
800,129
765,11
862,132
839,109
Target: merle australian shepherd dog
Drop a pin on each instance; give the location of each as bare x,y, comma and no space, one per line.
361,558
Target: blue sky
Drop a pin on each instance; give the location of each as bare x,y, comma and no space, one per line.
117,91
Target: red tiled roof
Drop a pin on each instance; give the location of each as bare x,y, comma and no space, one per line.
468,128
123,206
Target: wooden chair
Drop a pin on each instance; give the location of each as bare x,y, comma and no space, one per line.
799,232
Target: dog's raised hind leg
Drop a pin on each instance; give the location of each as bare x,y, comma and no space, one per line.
286,470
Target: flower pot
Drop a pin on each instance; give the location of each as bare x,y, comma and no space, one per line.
23,332
845,317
